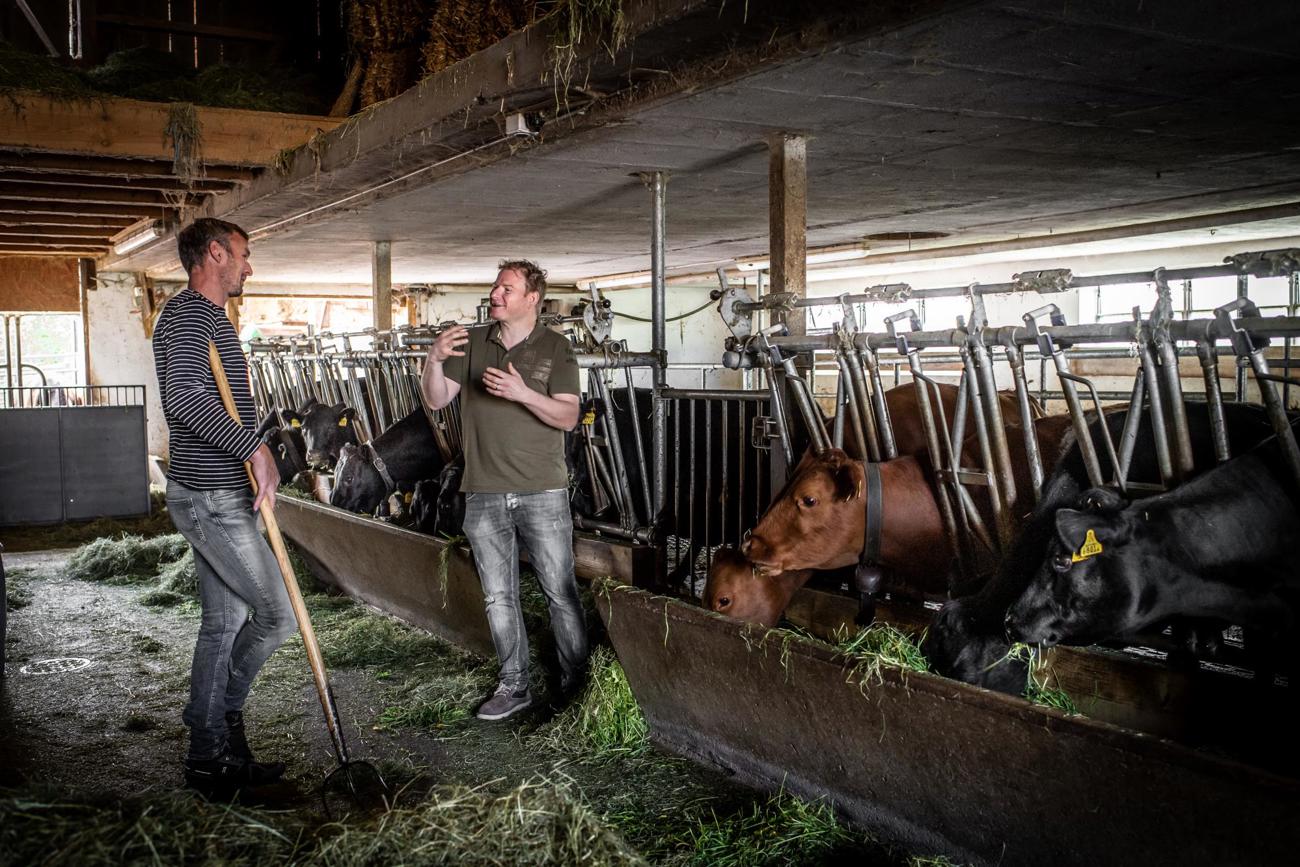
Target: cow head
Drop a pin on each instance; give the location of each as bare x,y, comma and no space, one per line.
735,588
966,642
358,487
1080,593
325,430
816,522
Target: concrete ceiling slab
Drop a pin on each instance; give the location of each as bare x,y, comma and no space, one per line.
982,120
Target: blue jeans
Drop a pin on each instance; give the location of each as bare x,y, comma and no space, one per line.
494,525
246,610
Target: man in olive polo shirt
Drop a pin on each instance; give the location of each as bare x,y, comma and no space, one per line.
518,387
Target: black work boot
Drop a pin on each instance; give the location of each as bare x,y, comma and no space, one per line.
237,744
227,773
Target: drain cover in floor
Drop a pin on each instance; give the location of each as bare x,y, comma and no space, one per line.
62,665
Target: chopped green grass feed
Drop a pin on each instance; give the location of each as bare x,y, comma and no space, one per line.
538,822
604,721
126,559
156,523
782,831
931,861
1038,689
147,644
372,639
16,594
438,701
450,544
879,645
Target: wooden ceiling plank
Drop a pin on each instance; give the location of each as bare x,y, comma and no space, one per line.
132,128
86,209
109,224
28,192
55,249
56,232
122,167
113,182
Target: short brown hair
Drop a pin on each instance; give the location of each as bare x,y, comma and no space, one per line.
192,243
534,276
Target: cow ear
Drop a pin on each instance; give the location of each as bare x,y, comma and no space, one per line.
1087,534
848,476
1102,500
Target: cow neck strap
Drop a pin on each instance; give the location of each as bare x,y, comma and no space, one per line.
380,467
875,506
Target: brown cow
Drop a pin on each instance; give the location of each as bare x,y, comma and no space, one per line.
819,522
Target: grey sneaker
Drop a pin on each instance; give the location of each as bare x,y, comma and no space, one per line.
507,701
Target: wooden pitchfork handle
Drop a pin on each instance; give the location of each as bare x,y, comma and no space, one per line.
314,657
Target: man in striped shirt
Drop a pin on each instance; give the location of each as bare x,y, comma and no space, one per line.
246,609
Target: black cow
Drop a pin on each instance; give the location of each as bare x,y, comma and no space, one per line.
1223,546
286,444
437,505
325,430
408,453
968,640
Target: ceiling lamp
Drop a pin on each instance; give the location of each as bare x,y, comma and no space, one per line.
138,239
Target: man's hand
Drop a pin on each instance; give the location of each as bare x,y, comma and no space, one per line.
265,475
448,343
507,384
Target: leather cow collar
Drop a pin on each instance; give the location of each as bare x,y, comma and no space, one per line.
875,506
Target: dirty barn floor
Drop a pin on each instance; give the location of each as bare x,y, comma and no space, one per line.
108,736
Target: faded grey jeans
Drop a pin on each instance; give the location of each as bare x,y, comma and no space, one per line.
494,524
246,611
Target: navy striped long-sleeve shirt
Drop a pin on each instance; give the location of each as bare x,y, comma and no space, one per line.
207,448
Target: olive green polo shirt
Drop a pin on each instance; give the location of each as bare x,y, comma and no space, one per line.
507,448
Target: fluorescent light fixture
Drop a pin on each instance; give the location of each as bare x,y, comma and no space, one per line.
642,279
138,239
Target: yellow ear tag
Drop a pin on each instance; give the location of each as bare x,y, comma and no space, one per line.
407,499
295,423
343,422
1089,549
590,417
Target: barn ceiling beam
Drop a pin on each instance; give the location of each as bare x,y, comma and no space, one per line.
28,192
182,28
131,128
85,209
122,167
108,224
56,232
75,249
198,185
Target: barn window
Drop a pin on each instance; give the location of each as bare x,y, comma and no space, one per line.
46,347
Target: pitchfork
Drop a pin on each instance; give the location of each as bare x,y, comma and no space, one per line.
359,781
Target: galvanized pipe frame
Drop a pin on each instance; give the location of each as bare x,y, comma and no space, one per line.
1043,281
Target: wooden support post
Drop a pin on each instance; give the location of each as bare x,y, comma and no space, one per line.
381,284
787,201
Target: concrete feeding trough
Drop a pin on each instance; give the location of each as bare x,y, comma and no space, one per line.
933,764
401,571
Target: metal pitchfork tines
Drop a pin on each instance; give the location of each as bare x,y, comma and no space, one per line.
352,782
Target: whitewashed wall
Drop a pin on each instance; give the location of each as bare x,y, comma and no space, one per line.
120,354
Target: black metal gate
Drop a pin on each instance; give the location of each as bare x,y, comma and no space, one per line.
87,459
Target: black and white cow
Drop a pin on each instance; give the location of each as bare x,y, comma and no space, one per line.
1225,546
325,430
286,443
393,461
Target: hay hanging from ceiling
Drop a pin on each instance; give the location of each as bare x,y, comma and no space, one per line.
459,28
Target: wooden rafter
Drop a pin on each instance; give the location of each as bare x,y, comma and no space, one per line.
88,232
198,185
32,162
29,192
85,209
8,219
131,128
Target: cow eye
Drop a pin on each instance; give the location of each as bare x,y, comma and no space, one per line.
1062,562
724,601
808,502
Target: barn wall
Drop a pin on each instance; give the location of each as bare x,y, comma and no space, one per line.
38,284
120,353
